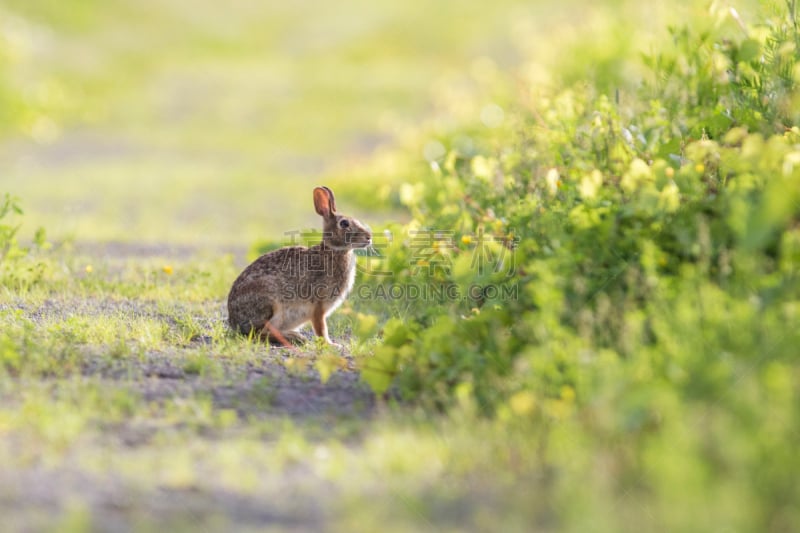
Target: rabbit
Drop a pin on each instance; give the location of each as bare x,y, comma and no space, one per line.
283,289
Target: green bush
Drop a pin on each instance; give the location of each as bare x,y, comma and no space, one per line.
595,219
642,250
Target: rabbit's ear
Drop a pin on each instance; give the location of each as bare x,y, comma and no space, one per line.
331,198
323,202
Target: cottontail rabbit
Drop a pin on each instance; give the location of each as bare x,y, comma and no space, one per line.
283,289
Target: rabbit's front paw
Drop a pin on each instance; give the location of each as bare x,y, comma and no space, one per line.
332,344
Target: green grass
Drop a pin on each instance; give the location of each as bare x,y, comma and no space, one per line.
103,377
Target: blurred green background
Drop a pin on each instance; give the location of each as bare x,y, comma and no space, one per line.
208,122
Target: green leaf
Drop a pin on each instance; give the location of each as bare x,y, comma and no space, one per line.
327,364
749,50
40,238
379,370
366,326
396,332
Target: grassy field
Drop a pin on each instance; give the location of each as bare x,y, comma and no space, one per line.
630,172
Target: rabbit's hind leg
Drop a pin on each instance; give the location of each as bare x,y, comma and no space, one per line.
286,339
279,329
270,334
247,315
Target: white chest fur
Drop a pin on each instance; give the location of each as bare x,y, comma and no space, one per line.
348,286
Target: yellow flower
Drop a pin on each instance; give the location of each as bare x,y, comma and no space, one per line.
522,403
669,199
590,184
699,167
167,269
552,180
89,269
669,172
466,239
567,393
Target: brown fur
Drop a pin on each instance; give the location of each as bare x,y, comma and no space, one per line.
290,286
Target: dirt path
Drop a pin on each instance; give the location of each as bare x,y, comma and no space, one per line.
230,381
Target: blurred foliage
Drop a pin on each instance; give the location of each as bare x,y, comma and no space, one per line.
639,244
198,122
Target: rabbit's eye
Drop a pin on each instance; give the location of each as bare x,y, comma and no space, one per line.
344,223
